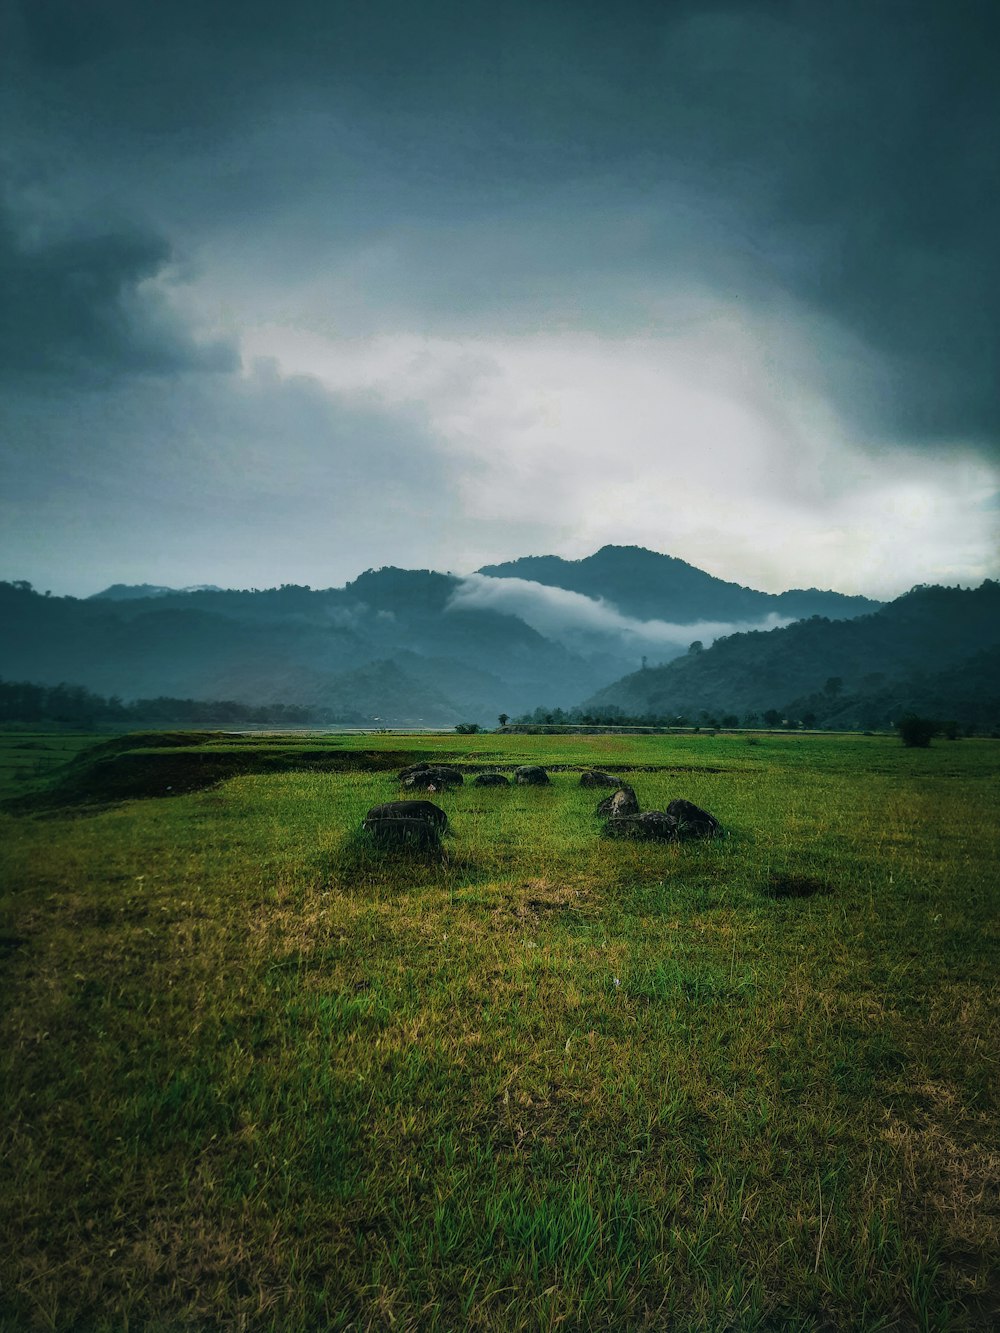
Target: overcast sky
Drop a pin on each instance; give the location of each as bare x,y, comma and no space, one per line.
288,291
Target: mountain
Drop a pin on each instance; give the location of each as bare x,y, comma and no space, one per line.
650,586
387,647
382,691
400,646
934,650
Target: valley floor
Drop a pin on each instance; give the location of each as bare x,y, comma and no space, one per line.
259,1076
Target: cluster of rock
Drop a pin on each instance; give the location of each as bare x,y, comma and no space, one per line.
420,824
681,819
431,777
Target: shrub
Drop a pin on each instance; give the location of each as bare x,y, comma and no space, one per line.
916,731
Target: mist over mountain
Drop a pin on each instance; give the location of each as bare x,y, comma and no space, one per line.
592,627
394,646
935,650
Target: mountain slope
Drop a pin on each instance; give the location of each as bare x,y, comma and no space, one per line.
295,645
821,664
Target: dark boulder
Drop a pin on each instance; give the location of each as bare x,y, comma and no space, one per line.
654,825
692,821
424,766
623,802
417,834
595,778
491,780
432,777
530,775
410,810
409,824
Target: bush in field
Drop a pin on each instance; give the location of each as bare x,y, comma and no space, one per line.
916,731
467,728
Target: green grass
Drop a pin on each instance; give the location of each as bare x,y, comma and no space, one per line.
258,1076
29,758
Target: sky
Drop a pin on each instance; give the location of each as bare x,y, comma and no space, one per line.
292,291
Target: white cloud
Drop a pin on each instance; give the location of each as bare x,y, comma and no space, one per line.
571,616
712,445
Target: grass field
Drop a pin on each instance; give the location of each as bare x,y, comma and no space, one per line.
258,1076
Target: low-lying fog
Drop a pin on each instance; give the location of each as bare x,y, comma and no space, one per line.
591,625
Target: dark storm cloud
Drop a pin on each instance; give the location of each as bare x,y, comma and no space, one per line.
253,478
844,155
76,308
315,179
871,134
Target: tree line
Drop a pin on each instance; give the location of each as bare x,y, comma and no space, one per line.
75,706
611,715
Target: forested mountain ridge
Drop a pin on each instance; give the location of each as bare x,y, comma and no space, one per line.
933,648
384,649
648,585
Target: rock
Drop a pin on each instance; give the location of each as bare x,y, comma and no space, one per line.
418,834
530,775
692,821
415,824
623,802
653,825
491,780
595,778
410,810
431,777
424,766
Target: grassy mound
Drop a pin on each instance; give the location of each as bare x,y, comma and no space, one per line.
158,764
150,740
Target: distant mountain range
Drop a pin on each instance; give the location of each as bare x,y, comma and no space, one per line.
395,646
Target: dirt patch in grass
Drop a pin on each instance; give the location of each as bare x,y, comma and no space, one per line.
779,885
538,898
